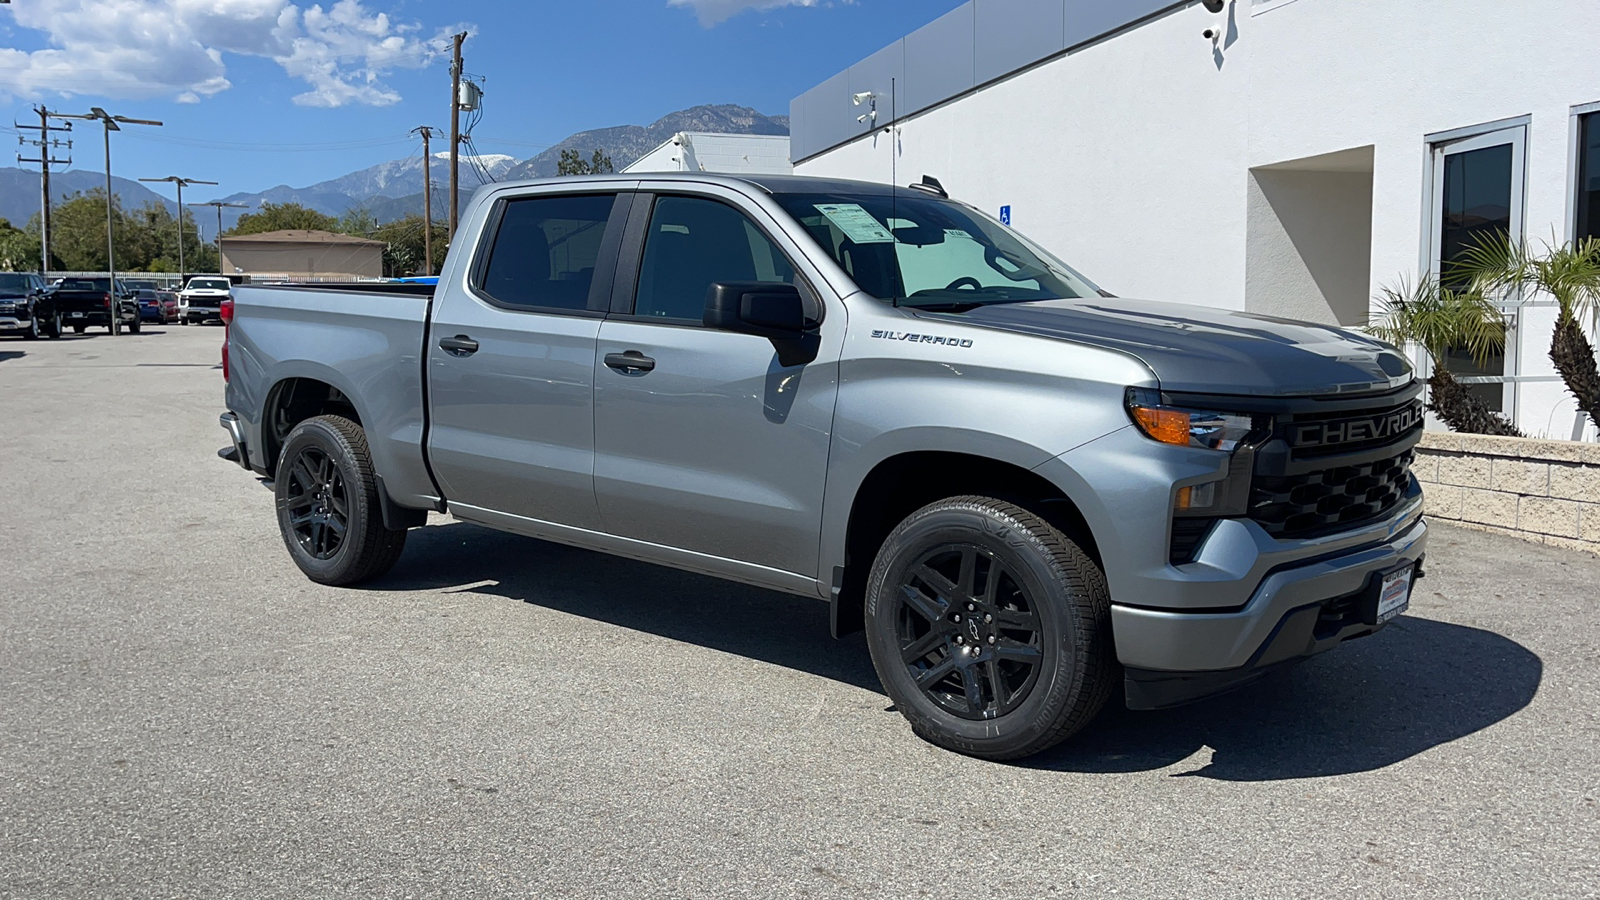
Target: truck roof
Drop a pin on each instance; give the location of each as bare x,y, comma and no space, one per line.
772,184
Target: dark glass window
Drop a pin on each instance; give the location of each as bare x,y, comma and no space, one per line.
1589,176
546,249
1476,207
694,243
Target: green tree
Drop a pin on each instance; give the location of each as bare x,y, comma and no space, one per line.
573,163
78,234
1440,319
282,217
358,220
1568,272
404,249
19,250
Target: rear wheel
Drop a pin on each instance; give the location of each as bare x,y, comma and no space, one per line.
989,628
54,328
328,507
79,329
135,325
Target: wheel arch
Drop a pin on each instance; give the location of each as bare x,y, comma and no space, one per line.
292,399
904,482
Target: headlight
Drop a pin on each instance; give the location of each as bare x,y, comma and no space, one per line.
1184,427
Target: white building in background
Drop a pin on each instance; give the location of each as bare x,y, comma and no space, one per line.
731,154
1285,157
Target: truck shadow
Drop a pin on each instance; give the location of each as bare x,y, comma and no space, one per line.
11,354
1367,705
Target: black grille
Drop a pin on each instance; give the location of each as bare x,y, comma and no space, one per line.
1329,500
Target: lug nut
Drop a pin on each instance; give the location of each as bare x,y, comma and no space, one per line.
987,619
959,640
958,617
970,607
991,638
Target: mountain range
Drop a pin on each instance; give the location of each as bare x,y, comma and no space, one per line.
387,190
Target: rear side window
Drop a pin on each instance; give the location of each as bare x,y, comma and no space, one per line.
694,243
545,251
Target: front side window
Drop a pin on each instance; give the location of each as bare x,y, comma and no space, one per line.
545,251
1588,177
694,243
928,252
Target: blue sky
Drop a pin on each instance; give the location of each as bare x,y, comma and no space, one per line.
256,93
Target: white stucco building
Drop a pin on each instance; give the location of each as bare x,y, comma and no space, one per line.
1286,157
703,151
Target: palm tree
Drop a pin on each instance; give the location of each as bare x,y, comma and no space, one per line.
1440,319
1568,272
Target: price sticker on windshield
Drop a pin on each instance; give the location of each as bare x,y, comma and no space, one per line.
857,224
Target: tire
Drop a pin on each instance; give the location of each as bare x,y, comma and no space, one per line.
1044,664
326,467
79,329
32,334
183,320
135,325
55,327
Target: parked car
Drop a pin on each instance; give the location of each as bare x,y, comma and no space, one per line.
87,302
26,307
141,284
201,299
1034,496
160,307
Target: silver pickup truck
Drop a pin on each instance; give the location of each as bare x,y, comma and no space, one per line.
1030,494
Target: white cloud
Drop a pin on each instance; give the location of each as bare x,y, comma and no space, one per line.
176,48
711,12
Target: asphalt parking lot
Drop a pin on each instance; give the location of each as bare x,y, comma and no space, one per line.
182,714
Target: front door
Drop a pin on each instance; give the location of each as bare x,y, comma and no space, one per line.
511,359
703,440
1477,195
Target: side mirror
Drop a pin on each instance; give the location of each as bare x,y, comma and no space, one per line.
776,311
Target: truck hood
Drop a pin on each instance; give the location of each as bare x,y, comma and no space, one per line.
1204,350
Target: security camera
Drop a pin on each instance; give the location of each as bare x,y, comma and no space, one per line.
863,97
1211,34
1215,5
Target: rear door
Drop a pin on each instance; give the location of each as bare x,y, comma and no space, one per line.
511,357
716,447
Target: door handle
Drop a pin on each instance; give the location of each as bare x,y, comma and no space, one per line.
460,345
630,363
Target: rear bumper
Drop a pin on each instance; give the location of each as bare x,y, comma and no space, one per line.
1295,613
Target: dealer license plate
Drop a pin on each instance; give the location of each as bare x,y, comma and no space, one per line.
77,315
1394,596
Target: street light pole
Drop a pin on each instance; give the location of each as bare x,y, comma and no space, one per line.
219,205
110,123
181,183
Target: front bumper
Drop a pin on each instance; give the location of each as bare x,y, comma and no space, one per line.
11,323
1295,613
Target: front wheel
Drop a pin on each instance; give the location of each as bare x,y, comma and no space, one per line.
990,629
328,507
135,325
32,334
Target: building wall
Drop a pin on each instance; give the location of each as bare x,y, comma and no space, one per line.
303,261
1139,158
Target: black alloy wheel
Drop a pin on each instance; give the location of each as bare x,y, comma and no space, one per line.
968,631
989,628
330,510
318,503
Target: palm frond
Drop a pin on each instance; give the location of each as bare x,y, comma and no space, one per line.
1439,319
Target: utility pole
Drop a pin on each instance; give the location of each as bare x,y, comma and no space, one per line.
427,198
181,183
110,123
220,206
45,161
455,129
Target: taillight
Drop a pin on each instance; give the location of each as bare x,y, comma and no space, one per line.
224,357
227,310
107,299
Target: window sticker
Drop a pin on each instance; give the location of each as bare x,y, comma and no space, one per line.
857,224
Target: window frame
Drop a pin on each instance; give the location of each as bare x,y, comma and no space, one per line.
1576,119
600,288
630,263
1461,140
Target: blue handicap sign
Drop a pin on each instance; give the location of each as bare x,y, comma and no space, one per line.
1005,215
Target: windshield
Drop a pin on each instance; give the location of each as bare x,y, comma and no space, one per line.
13,282
140,285
85,284
208,284
923,251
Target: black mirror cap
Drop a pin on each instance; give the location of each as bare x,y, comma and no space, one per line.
770,310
